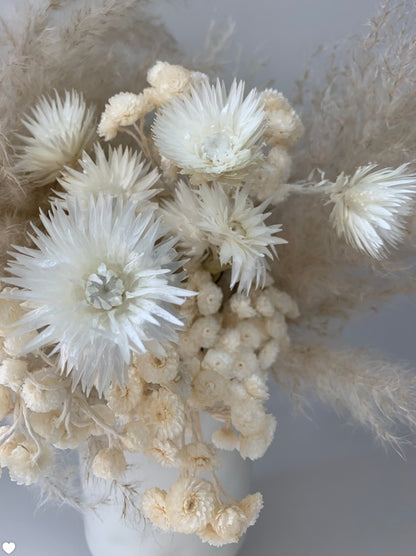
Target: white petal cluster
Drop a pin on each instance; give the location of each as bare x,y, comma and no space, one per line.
210,135
99,287
122,173
60,129
370,207
231,226
122,110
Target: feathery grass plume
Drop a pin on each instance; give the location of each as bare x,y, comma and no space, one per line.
378,394
41,50
362,94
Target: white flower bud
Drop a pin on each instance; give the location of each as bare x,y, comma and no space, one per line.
135,436
164,452
219,361
205,331
268,355
154,508
241,305
198,457
209,299
43,391
13,373
255,446
14,345
190,504
158,370
109,464
248,417
169,79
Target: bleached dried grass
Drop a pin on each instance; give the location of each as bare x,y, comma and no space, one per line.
377,394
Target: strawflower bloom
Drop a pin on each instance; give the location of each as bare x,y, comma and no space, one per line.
122,172
211,135
101,284
370,207
60,129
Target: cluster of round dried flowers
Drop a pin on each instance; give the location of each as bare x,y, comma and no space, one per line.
146,299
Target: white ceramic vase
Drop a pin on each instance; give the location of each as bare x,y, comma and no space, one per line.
107,534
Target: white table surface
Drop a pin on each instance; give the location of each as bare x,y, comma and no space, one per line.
328,489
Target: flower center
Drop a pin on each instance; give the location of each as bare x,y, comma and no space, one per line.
237,228
216,147
104,289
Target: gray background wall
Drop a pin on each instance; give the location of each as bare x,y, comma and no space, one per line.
329,490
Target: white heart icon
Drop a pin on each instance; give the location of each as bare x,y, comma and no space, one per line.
8,547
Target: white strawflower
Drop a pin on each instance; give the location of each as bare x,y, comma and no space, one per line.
197,457
122,109
181,216
190,503
100,285
121,173
238,230
159,370
370,207
109,463
43,391
60,129
164,452
154,507
165,413
169,79
211,135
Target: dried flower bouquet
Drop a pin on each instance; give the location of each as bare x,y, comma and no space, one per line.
168,249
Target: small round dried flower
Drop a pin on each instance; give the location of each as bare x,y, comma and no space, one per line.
154,508
205,331
165,413
268,355
250,332
135,436
276,326
248,417
241,305
274,100
158,370
208,389
60,434
219,361
225,439
13,373
209,299
168,79
164,452
123,399
230,340
264,305
284,127
284,303
109,463
26,465
251,506
229,522
43,391
198,457
246,364
14,345
256,387
6,402
122,109
255,446
190,503
188,346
